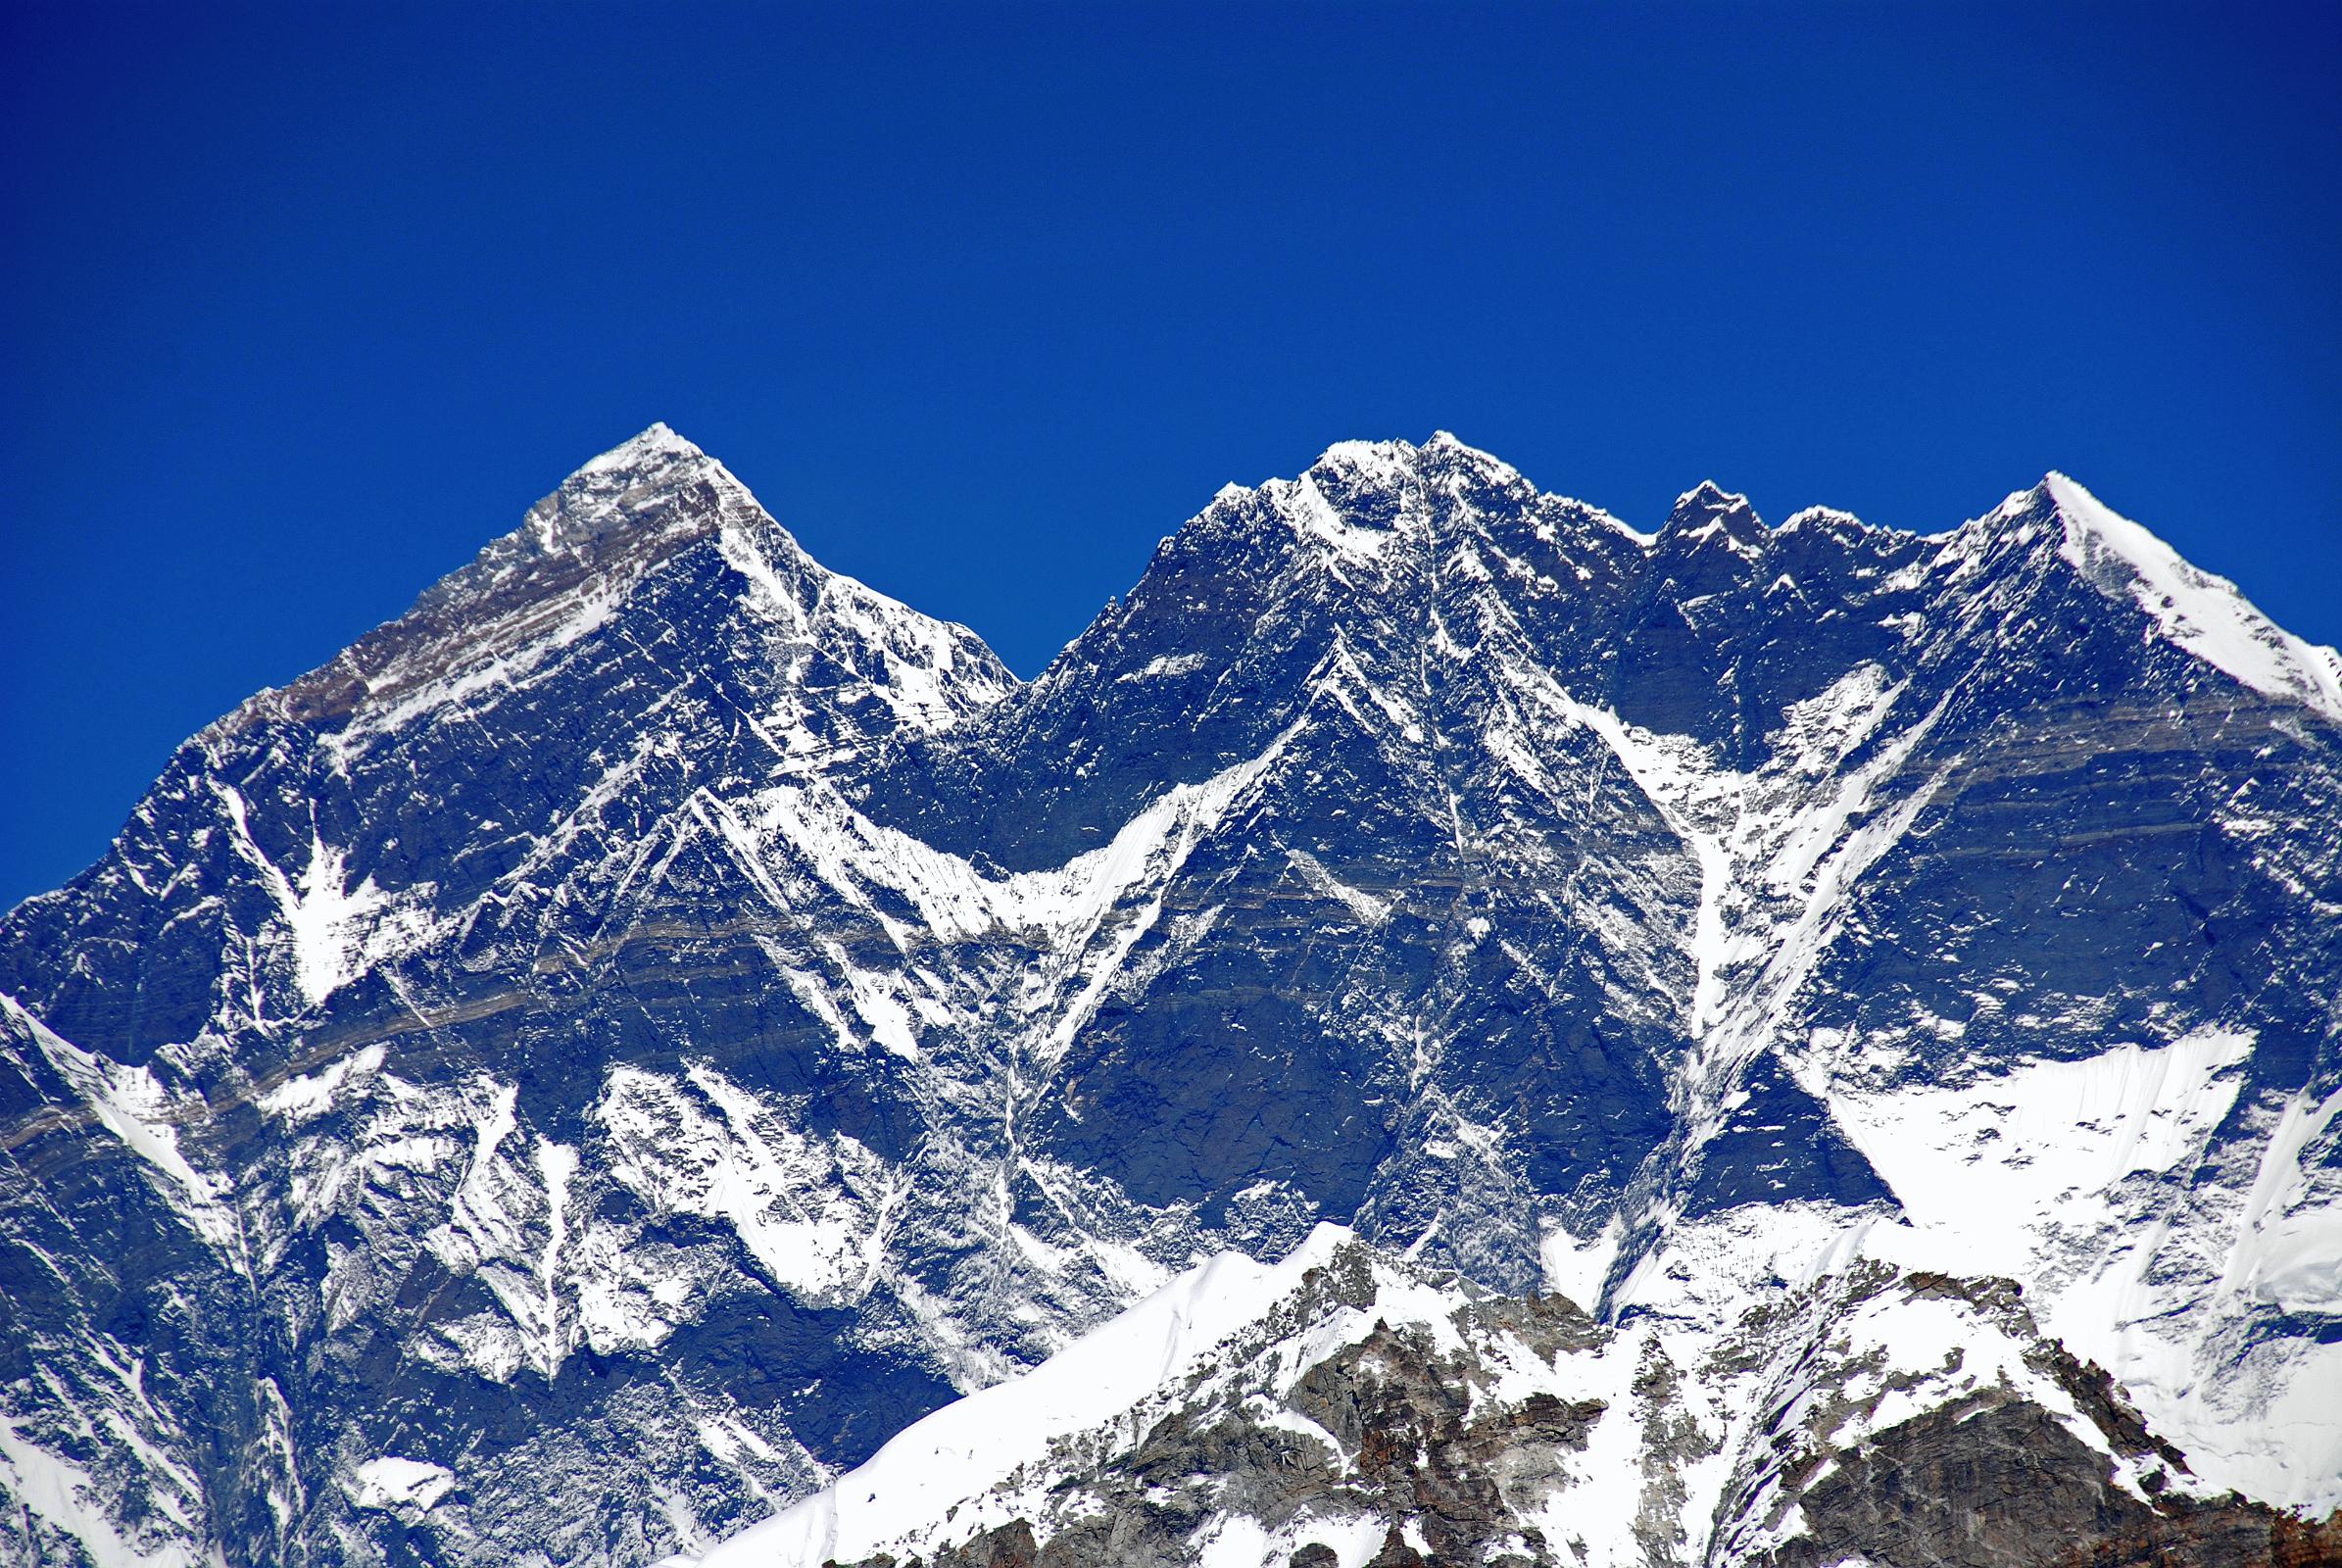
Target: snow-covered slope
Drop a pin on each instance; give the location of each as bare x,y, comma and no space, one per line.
603,1056
2201,613
1345,1407
411,988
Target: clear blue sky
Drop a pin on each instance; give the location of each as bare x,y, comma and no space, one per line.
303,304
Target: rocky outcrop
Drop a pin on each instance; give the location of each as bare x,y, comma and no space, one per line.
1374,1411
2004,1484
589,1065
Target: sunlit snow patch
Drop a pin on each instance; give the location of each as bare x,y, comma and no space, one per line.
967,1448
400,1485
1986,1161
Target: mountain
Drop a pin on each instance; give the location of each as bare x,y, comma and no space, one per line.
1345,1407
587,1067
305,1070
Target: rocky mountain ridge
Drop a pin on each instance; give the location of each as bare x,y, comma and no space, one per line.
1346,1407
604,1055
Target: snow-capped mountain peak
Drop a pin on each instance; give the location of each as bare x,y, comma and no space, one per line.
627,484
656,443
1707,509
583,1070
2205,614
619,526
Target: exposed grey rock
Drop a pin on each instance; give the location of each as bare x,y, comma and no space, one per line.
1440,1439
592,1062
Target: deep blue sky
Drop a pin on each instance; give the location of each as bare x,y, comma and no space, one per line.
301,306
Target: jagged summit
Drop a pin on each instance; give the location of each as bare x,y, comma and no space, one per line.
2058,529
627,488
623,520
1708,510
2204,613
631,1037
1392,460
1707,498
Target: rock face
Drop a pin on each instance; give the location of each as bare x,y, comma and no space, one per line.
1365,1411
590,1064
